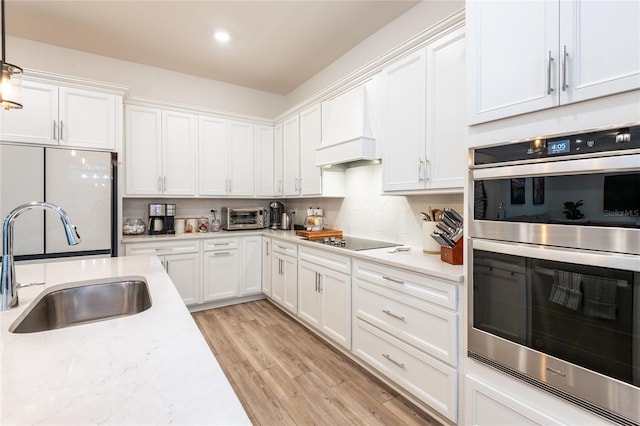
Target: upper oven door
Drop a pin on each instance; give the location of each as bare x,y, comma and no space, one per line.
587,203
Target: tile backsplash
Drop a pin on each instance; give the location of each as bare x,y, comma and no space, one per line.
364,211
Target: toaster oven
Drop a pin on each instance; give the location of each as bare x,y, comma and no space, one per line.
239,218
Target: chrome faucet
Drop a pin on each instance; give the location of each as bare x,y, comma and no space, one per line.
9,287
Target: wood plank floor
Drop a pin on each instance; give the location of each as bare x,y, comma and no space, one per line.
283,374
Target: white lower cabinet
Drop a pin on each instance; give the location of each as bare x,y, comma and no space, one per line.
493,398
250,266
267,254
284,275
405,325
181,261
221,259
324,293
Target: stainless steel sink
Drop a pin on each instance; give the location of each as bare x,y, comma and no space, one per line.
80,304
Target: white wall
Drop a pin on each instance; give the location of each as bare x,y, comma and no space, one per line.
145,81
398,31
366,212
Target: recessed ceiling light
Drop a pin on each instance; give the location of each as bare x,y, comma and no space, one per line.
222,36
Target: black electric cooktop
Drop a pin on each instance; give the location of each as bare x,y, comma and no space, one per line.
357,244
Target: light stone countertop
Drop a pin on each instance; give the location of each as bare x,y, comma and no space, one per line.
414,260
153,367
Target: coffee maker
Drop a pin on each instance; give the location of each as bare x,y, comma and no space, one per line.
276,209
162,219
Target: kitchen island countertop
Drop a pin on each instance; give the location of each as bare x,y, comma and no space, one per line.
153,367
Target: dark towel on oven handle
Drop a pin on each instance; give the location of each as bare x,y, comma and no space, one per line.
600,296
566,289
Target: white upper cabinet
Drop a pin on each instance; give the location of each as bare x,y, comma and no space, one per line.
310,139
528,56
291,155
226,157
404,123
278,160
179,148
301,136
423,125
143,150
265,161
55,115
161,149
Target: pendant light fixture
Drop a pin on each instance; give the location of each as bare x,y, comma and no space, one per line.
11,77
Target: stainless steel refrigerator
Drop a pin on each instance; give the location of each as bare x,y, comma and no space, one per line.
79,181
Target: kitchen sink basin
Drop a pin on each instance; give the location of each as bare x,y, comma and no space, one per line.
81,303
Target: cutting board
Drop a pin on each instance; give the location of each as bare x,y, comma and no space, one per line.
319,235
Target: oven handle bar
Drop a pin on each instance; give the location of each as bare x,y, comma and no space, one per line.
621,163
626,262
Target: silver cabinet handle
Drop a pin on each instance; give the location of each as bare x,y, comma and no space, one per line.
399,364
549,89
55,128
221,244
401,318
61,129
395,280
316,282
267,249
565,56
222,253
160,183
279,189
164,184
426,169
420,179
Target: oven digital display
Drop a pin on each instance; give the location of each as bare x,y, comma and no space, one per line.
559,147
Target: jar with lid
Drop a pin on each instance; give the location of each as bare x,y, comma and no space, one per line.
203,224
133,226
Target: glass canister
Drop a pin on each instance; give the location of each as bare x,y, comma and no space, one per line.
203,224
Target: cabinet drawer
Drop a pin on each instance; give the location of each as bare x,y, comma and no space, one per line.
283,247
423,287
428,379
328,260
425,326
163,248
221,244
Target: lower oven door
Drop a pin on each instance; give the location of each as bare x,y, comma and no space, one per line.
565,320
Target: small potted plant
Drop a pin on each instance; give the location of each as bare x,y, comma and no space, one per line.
572,210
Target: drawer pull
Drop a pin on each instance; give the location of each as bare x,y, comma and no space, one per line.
221,244
399,364
401,318
222,253
395,280
282,247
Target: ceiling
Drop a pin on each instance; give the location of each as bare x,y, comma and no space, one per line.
275,45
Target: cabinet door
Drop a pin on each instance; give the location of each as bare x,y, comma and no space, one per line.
291,155
250,281
241,159
290,301
404,124
180,150
212,156
335,291
221,273
597,63
184,270
278,179
87,119
266,265
446,159
310,299
277,278
264,161
22,181
36,122
509,69
310,139
143,151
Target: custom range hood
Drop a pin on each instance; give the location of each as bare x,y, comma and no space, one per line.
348,127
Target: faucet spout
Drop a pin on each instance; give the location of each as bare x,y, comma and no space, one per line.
8,285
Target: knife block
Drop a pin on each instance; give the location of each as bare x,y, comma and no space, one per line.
452,255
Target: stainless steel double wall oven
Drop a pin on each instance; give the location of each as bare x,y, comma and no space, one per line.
554,266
